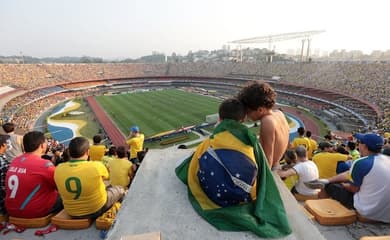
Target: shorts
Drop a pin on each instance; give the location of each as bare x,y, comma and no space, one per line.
339,193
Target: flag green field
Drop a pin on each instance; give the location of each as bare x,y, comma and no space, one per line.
158,111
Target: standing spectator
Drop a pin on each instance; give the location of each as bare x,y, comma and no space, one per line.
30,190
15,145
301,139
4,164
259,99
136,144
313,145
80,183
97,150
121,169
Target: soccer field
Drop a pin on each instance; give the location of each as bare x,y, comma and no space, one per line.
158,111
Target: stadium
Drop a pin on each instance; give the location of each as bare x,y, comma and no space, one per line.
348,97
332,91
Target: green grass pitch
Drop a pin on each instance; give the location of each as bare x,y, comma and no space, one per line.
158,111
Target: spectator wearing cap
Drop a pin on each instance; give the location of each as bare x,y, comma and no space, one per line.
305,169
15,142
136,144
327,160
4,164
97,150
366,185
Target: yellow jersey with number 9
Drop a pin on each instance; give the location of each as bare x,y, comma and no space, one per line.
81,186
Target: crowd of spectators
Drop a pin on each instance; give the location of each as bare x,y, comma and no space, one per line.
367,81
30,109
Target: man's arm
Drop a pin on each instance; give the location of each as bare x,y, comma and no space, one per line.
342,177
267,139
287,173
350,187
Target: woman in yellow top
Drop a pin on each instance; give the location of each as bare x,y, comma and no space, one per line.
121,169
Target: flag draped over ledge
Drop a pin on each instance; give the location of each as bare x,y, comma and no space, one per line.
264,214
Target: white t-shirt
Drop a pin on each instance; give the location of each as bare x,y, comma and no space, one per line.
372,175
307,171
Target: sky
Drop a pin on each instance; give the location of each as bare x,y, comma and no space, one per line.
133,28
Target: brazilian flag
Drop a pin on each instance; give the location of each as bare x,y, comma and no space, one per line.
261,210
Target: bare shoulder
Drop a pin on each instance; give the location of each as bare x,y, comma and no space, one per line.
268,120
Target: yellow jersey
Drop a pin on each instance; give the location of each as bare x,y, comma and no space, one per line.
119,172
80,184
313,147
304,141
136,145
327,163
96,152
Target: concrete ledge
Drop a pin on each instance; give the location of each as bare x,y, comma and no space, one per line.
157,202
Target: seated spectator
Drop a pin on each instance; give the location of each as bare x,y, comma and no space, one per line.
306,171
327,160
4,164
57,155
80,183
97,150
121,169
369,190
226,173
351,148
110,155
15,145
30,190
290,159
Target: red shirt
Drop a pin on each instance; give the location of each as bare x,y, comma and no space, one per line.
30,188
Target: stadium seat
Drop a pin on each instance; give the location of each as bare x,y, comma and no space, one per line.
330,212
31,222
307,213
64,221
145,236
376,238
363,219
105,221
302,198
3,218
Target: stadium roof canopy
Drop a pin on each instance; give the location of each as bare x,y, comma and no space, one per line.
278,37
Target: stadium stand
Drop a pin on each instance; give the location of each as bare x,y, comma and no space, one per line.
335,85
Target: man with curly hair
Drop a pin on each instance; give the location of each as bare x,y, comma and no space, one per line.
259,99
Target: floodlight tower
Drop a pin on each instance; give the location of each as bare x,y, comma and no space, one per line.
283,37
